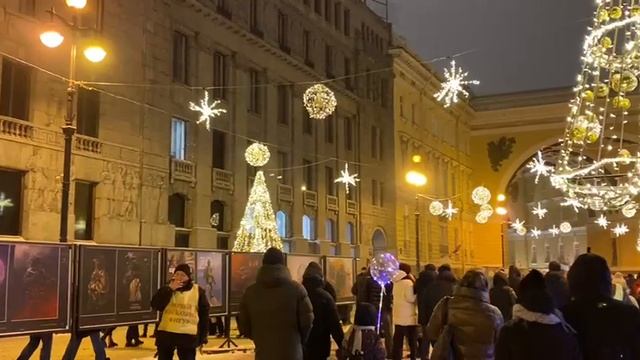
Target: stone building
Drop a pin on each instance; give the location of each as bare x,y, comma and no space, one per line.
145,173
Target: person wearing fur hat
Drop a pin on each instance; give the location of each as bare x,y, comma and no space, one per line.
184,322
405,313
538,330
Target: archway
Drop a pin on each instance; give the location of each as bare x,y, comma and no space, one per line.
379,241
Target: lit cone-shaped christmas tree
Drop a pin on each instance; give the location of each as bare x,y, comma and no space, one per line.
258,230
599,164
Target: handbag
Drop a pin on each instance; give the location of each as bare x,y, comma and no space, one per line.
443,348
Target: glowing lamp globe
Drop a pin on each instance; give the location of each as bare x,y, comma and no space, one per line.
416,158
95,54
415,178
51,39
76,4
501,211
501,197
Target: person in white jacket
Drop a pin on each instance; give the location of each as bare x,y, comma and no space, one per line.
405,312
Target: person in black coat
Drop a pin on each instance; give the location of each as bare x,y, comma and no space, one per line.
537,330
502,295
557,285
443,286
607,328
425,279
514,278
326,323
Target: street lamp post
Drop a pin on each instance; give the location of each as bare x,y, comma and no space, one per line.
417,179
53,39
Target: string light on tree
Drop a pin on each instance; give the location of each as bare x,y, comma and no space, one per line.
319,101
453,86
257,155
539,211
620,230
207,111
436,208
346,178
602,221
4,203
449,211
539,167
565,227
554,231
481,195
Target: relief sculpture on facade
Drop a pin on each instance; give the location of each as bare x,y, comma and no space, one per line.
44,184
120,187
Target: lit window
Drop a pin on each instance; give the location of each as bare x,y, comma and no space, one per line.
330,230
83,210
308,228
178,139
282,220
350,234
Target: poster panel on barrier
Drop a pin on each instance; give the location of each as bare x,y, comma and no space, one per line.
297,264
34,280
339,272
244,269
211,276
97,281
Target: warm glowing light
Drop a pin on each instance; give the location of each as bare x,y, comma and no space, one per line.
416,158
501,197
319,101
77,4
51,39
415,178
501,211
95,54
207,111
453,86
257,154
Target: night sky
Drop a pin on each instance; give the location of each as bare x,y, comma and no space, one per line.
520,45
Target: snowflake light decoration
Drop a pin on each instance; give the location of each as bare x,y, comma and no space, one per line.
453,85
539,211
517,224
346,178
450,211
539,167
620,230
554,231
207,111
576,204
535,232
602,221
4,202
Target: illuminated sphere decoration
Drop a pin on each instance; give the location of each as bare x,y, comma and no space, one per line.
630,209
436,208
565,227
481,195
384,267
319,101
486,209
482,218
522,231
257,154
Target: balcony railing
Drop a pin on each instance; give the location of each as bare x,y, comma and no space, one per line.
222,179
87,144
310,198
16,128
332,203
285,193
352,207
183,170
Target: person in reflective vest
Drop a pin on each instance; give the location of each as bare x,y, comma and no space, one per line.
184,319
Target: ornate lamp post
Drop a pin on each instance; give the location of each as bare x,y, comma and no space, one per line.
52,39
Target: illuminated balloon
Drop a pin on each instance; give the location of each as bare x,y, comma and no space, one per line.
383,267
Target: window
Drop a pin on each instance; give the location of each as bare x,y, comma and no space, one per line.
178,139
367,89
347,22
28,7
253,16
219,75
283,164
254,89
88,112
337,16
283,104
91,15
327,10
282,221
306,45
347,73
374,192
14,93
330,230
83,210
401,106
309,175
216,213
307,123
180,58
308,228
10,202
177,210
283,23
413,113
350,233
330,181
329,129
218,150
318,7
348,133
375,142
328,60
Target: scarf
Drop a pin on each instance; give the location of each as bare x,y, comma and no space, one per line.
520,312
356,331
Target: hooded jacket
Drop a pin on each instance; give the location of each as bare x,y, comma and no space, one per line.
558,287
404,307
475,324
425,279
276,314
443,286
502,295
325,318
367,290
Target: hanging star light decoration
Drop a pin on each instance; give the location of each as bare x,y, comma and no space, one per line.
517,224
539,167
602,221
554,231
539,211
455,80
449,211
207,111
4,202
620,229
576,204
535,232
346,178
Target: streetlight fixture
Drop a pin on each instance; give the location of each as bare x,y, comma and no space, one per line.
417,179
52,38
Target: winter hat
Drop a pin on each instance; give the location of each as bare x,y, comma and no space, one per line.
534,295
273,256
589,278
186,269
313,270
555,266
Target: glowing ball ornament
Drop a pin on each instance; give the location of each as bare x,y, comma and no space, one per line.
486,209
482,218
522,231
319,101
565,227
436,208
481,195
257,154
384,267
630,209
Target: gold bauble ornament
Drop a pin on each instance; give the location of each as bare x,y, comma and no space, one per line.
615,13
602,90
592,137
621,102
624,82
635,10
606,42
588,95
602,15
578,134
319,101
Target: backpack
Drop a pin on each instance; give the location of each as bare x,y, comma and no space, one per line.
443,348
